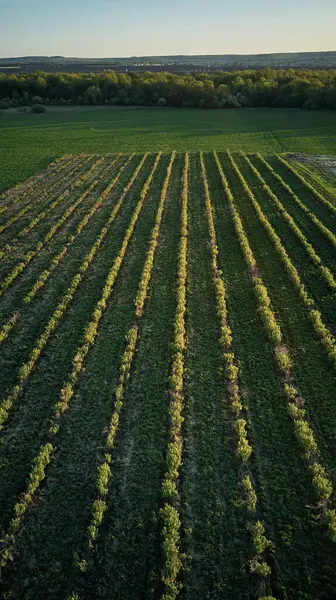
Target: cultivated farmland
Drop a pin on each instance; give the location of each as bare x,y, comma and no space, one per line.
168,359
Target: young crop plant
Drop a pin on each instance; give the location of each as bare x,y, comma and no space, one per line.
307,185
99,505
316,260
27,367
258,564
324,230
90,333
322,332
171,524
303,431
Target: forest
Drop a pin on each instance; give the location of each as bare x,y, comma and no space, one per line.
291,88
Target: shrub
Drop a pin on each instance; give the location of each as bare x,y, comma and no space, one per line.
38,108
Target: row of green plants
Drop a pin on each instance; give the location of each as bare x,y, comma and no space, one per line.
31,254
46,273
79,180
261,545
90,333
18,193
322,332
27,367
324,230
99,505
316,260
8,326
42,193
307,185
304,433
170,515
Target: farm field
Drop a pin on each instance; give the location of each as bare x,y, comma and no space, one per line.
30,142
168,368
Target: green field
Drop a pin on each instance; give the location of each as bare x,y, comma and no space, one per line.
29,142
167,358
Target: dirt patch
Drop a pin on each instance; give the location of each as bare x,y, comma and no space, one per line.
323,162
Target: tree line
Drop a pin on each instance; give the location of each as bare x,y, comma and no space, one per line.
292,88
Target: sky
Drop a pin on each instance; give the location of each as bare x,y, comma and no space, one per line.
112,28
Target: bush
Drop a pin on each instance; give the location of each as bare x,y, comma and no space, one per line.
38,108
162,102
37,100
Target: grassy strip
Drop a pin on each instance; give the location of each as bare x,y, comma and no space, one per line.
46,273
33,202
304,433
26,369
18,192
99,505
261,544
314,257
321,330
324,230
170,513
91,331
34,222
29,256
307,185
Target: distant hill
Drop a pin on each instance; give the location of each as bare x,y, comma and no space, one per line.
211,62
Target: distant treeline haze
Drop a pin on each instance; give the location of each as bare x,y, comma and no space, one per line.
269,87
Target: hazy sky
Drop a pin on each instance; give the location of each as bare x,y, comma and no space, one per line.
94,28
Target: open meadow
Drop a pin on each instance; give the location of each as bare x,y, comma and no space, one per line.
167,357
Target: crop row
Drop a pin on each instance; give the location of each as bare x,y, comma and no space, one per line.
18,193
90,333
324,230
170,511
46,273
321,330
321,482
27,368
99,505
28,257
307,185
325,272
33,201
261,544
41,215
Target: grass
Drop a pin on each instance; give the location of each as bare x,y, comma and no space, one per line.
216,548
75,130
